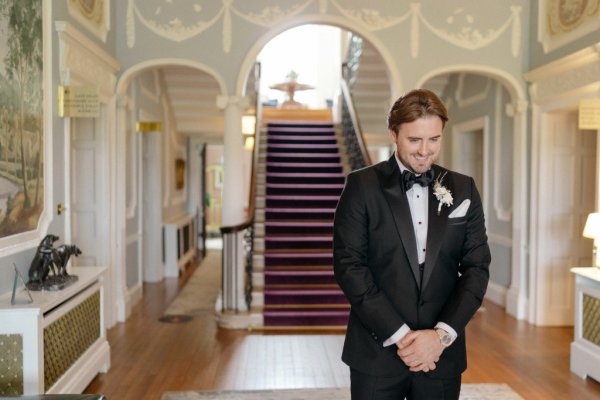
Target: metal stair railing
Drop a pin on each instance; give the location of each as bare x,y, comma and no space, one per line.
238,240
356,148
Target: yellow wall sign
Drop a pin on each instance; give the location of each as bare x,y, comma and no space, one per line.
589,114
78,101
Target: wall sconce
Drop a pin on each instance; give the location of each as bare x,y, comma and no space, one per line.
248,124
592,231
249,143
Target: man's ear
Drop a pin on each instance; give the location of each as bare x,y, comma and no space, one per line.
393,136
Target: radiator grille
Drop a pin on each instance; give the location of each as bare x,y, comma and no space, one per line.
591,319
11,365
67,338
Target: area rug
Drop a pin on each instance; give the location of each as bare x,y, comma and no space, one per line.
478,391
199,294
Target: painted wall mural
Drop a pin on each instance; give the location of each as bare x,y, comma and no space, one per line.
191,18
21,116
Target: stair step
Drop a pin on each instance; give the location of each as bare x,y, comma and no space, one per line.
302,155
292,243
307,169
311,146
293,164
298,227
301,138
304,296
310,203
301,197
299,213
308,317
299,178
298,238
297,259
274,277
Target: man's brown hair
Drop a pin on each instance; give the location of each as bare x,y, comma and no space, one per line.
416,104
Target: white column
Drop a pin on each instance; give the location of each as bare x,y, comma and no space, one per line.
118,240
517,295
233,168
152,207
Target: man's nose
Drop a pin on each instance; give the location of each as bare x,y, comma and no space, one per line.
423,148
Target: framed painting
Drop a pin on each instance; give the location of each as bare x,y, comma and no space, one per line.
92,14
563,21
25,151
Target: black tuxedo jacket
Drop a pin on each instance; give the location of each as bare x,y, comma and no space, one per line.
376,265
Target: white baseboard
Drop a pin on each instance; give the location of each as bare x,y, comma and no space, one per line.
131,298
516,304
496,294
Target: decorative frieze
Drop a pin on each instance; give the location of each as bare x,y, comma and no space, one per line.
167,24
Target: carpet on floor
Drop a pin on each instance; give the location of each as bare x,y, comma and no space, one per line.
199,295
470,391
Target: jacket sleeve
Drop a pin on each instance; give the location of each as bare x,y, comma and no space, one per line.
351,262
474,269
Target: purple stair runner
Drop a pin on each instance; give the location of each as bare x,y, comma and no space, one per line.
304,180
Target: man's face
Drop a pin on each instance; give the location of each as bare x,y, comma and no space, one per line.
418,143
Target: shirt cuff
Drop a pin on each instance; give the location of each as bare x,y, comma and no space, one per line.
399,334
448,329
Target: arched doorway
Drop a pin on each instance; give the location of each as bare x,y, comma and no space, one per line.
153,200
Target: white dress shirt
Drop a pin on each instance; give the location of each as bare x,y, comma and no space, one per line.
418,202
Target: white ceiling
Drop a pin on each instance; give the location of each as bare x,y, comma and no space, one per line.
193,98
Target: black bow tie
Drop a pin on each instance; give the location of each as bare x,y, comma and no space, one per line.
409,179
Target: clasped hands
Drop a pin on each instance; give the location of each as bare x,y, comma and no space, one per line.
420,350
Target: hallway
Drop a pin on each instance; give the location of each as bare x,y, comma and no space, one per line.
150,357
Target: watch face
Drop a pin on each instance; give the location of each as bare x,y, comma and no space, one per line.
445,337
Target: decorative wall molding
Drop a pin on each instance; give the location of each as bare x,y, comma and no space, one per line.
561,22
83,59
94,15
502,213
568,74
466,37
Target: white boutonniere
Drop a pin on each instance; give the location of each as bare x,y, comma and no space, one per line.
442,194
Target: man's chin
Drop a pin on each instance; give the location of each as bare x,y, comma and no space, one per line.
420,169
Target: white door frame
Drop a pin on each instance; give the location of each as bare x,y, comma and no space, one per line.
557,86
82,62
477,124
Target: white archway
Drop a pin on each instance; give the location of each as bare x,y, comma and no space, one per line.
517,294
127,75
126,297
396,81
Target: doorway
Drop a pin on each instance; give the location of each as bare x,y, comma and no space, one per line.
567,187
469,150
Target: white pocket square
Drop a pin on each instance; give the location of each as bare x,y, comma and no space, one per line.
461,210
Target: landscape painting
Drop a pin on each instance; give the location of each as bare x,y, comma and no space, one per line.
21,116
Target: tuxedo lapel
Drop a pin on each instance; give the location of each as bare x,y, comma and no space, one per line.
436,227
398,203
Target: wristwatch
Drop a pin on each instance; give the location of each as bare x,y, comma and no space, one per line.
445,338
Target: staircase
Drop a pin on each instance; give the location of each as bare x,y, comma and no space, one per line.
371,93
303,179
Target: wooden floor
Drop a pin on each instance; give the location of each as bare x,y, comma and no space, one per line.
150,357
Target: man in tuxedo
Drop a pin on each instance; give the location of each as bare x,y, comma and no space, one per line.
411,255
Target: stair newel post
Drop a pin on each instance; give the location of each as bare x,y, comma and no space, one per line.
233,285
